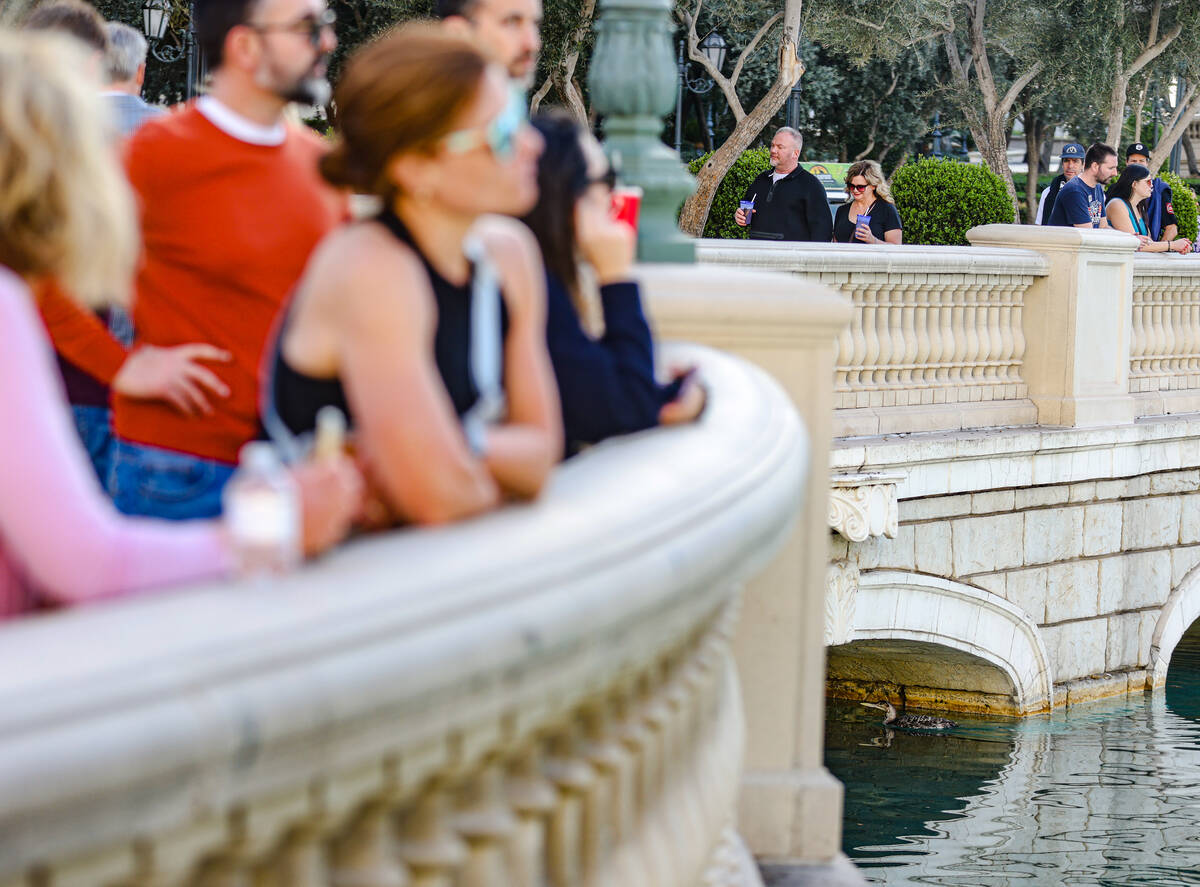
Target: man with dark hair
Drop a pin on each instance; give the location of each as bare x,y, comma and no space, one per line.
1071,165
232,205
509,29
1080,203
73,17
789,202
1160,208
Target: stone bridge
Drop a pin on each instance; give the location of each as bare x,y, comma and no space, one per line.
1015,490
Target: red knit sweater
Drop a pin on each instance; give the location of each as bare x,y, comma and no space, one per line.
227,227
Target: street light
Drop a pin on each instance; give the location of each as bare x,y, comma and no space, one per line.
157,23
713,47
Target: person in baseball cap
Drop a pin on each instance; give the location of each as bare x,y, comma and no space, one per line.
1159,211
1072,165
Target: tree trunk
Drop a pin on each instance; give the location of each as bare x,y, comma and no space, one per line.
695,208
1034,133
1190,153
993,145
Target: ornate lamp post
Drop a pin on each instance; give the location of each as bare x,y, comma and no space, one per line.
633,83
159,20
713,47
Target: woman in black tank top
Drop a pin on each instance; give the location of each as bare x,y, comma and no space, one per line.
426,323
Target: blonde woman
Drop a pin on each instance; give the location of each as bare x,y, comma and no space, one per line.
66,213
870,215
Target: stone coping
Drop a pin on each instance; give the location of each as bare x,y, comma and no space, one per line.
941,463
1166,265
428,647
888,259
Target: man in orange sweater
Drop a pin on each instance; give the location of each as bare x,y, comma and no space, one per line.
232,205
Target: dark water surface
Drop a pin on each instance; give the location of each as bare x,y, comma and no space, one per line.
1100,794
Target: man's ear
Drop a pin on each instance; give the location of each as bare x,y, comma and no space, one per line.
139,77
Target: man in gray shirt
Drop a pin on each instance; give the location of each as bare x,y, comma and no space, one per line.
124,71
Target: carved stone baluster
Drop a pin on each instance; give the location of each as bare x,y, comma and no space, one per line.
908,334
568,846
231,865
365,854
613,798
958,337
844,363
427,844
1017,325
1157,337
945,333
1194,326
854,376
870,311
1170,332
1137,337
649,714
635,839
1004,353
886,320
484,819
974,322
299,862
924,318
533,798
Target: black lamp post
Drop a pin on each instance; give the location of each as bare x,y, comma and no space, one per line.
157,26
937,134
714,48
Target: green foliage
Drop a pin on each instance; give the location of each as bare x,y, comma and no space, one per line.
940,200
745,170
1184,199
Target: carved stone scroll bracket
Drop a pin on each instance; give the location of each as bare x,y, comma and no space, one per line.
864,505
841,593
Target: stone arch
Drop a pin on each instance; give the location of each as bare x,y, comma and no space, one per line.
912,616
1178,612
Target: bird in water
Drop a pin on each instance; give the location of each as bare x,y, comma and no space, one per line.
907,721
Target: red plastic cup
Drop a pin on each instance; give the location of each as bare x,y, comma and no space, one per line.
626,201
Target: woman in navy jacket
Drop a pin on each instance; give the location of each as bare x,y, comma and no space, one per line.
607,385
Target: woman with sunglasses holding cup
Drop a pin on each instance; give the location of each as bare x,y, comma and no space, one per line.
426,324
870,215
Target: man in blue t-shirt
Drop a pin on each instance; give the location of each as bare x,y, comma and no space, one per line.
1080,203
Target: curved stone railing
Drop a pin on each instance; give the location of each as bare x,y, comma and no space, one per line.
541,696
936,339
1164,354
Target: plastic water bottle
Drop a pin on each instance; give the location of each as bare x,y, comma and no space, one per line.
262,512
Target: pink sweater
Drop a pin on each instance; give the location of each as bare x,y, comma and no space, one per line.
60,537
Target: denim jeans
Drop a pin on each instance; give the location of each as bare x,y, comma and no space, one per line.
95,430
152,482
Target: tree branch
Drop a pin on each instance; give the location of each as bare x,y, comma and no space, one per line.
1188,108
1019,84
1150,53
754,41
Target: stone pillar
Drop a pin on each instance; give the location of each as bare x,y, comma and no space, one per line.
1077,322
790,807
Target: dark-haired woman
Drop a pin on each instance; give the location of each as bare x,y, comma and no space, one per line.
1126,201
607,385
426,324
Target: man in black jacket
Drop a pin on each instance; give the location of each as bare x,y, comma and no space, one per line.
789,202
1072,165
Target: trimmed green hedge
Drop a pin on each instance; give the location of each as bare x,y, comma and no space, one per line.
940,200
1184,199
748,167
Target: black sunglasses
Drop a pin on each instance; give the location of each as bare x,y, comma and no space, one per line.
607,178
858,187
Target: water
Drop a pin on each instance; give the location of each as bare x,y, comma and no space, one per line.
1101,794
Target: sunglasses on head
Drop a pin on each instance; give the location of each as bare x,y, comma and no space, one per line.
310,26
499,135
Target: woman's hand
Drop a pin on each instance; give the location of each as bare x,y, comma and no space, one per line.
688,404
331,496
1180,245
863,232
605,243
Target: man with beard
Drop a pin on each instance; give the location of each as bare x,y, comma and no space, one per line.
232,205
509,29
789,202
1072,165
